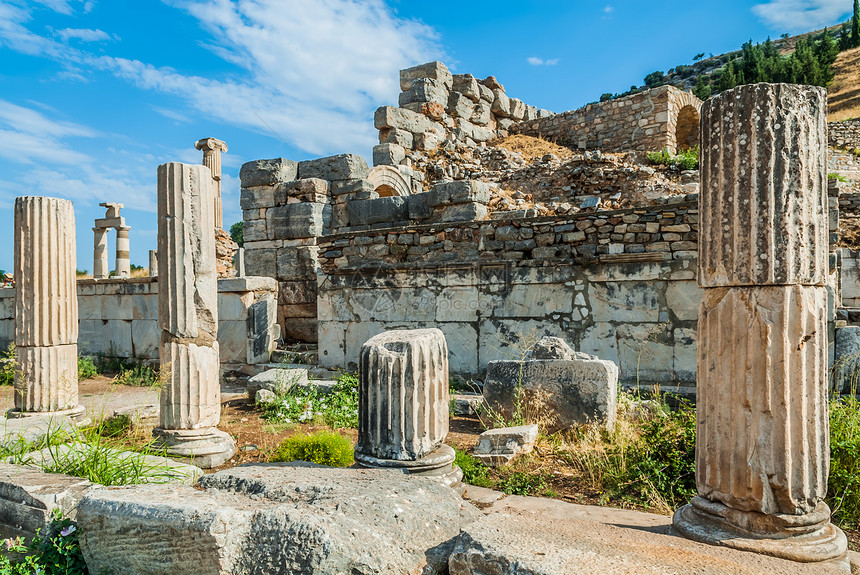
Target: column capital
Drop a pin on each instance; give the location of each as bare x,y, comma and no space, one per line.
211,145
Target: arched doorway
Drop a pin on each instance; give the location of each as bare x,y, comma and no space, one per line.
388,181
687,128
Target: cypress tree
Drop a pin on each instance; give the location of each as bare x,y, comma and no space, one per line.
855,25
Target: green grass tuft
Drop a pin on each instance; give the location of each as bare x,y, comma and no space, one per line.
324,447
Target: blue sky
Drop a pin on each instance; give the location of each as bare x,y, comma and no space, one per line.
95,94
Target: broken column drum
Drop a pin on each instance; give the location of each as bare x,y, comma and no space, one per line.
762,444
46,308
212,148
403,405
188,318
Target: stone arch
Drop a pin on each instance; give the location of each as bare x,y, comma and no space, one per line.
687,128
388,181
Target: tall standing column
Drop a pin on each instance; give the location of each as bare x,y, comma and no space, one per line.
153,263
403,405
123,262
188,318
212,149
762,444
46,307
100,257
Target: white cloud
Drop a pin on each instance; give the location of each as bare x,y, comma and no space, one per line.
29,136
84,35
608,11
535,61
801,15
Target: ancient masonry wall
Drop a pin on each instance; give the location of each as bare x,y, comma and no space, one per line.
844,135
664,117
119,318
620,285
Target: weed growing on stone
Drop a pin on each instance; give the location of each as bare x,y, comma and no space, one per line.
323,447
307,404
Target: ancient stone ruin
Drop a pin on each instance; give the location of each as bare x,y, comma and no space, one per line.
112,220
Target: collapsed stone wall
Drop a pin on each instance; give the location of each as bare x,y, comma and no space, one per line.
119,318
664,117
844,135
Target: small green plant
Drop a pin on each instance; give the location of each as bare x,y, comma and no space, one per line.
86,368
56,553
323,447
138,376
523,483
7,366
837,177
474,472
843,490
307,404
685,160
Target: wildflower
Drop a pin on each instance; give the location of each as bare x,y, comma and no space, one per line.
9,543
68,531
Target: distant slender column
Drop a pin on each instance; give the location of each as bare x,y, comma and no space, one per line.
100,257
239,262
153,263
403,404
212,149
46,307
188,317
762,443
123,263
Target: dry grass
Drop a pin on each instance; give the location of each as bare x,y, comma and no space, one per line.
532,148
849,232
843,95
141,273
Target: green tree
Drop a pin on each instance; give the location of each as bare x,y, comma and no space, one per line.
702,90
855,25
654,79
728,79
237,233
606,97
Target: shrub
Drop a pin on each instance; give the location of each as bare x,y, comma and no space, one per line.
57,553
685,160
523,483
843,490
138,376
474,472
86,368
323,447
7,366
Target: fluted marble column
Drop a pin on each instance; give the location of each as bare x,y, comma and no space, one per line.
123,261
46,307
100,257
212,149
153,263
762,444
188,317
403,404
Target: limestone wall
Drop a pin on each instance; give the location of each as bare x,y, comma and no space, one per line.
119,318
618,284
664,117
844,135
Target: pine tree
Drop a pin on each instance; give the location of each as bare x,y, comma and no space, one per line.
728,79
855,25
702,90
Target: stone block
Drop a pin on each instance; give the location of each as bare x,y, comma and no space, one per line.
427,141
255,231
295,221
625,301
501,104
460,106
401,119
257,198
462,212
299,330
425,90
433,70
846,366
683,299
145,339
350,188
340,167
388,154
482,113
299,263
306,190
29,498
295,292
267,172
467,85
518,109
380,210
459,192
397,136
500,446
261,262
233,306
403,394
572,392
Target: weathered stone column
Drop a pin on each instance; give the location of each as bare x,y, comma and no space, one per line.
46,307
762,445
188,317
212,149
100,258
403,405
153,263
123,263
